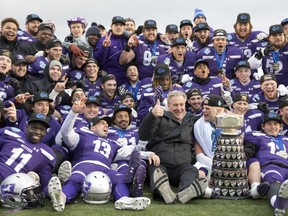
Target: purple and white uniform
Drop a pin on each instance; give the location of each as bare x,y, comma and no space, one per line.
249,46
90,153
250,89
178,70
19,155
227,61
146,55
273,104
272,154
211,86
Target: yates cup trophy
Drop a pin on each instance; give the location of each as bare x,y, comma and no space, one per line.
229,173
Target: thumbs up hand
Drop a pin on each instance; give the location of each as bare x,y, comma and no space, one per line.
158,110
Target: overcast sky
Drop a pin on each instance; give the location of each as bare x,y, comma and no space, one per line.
220,13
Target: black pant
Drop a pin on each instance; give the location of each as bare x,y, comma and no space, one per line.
181,176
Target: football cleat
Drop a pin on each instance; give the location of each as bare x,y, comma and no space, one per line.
161,182
259,190
58,198
281,200
129,203
64,171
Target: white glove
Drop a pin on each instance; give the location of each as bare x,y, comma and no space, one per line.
227,97
125,151
258,74
261,36
142,145
253,106
186,78
189,45
282,90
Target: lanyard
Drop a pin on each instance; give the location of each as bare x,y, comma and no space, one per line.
276,56
153,50
218,61
134,90
121,133
214,136
278,141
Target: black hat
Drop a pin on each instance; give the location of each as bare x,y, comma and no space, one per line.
95,120
241,97
200,61
161,70
186,22
44,26
202,26
219,33
107,77
39,117
41,96
214,101
92,99
16,59
121,107
284,22
242,63
193,92
272,116
172,28
150,24
267,77
134,63
243,18
93,30
126,95
31,17
91,60
5,52
275,29
118,19
283,102
86,50
179,41
53,43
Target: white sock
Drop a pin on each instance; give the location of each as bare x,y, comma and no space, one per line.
253,190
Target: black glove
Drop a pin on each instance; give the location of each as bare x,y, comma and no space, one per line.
263,107
122,91
102,73
15,85
80,83
64,59
260,53
70,83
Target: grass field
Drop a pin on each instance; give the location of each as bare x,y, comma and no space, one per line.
197,207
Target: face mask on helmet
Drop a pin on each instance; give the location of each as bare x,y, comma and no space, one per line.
19,190
96,188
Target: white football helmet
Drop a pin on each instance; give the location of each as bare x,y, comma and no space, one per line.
96,188
20,190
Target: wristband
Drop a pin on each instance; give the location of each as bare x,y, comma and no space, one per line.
127,48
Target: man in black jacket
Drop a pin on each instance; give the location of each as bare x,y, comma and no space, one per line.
170,136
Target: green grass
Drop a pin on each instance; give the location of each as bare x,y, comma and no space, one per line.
197,207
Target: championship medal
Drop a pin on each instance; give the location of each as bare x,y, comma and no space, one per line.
275,66
282,154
